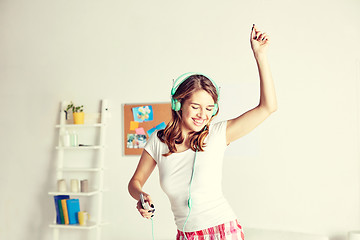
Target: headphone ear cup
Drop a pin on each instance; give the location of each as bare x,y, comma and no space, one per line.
215,109
177,105
172,104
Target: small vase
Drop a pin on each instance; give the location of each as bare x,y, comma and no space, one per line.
78,117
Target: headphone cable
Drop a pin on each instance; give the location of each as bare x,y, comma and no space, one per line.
152,228
190,199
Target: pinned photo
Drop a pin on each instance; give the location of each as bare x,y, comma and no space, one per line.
143,114
136,141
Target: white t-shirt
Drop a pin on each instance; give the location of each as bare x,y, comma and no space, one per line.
209,207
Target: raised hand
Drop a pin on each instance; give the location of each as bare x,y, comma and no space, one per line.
259,41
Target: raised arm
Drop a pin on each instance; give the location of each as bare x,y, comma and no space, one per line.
245,123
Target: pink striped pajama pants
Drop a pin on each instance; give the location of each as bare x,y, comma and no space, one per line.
227,231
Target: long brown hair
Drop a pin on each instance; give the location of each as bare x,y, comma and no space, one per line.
172,134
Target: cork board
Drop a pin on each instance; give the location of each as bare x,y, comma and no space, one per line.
140,120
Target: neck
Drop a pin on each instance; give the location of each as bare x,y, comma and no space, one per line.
185,135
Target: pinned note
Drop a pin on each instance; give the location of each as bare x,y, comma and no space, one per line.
161,126
140,131
134,125
157,127
149,132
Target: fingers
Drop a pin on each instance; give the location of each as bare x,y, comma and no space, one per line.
252,34
146,213
262,37
258,35
148,199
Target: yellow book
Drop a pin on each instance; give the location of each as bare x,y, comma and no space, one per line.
65,211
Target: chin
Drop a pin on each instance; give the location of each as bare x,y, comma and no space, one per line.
193,127
198,128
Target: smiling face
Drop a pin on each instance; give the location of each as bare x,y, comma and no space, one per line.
196,111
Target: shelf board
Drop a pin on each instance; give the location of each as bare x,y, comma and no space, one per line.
91,193
89,225
80,125
80,147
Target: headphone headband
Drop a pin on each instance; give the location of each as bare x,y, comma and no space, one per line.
185,76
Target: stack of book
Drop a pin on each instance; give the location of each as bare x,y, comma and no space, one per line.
66,209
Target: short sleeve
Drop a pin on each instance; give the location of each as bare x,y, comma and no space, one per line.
151,146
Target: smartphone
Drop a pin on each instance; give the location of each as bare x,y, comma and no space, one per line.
144,204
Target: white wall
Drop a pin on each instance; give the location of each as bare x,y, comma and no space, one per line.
305,175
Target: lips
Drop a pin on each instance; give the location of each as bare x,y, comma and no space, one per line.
198,122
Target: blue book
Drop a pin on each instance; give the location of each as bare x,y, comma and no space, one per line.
58,213
73,207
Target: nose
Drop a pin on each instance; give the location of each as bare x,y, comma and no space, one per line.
201,113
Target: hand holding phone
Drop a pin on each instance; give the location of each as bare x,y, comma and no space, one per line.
144,204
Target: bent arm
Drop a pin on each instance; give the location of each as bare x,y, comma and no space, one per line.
143,171
245,123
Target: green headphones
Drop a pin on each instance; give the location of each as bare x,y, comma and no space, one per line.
175,104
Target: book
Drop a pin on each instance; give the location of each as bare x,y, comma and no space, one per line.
61,212
73,207
64,208
57,206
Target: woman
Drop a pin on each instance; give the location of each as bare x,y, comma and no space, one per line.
189,152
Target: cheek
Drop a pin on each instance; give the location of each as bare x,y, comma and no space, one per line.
208,114
208,117
188,112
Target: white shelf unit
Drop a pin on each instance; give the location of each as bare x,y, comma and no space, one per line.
97,150
89,226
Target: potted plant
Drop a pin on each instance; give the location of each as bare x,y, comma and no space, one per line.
78,113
